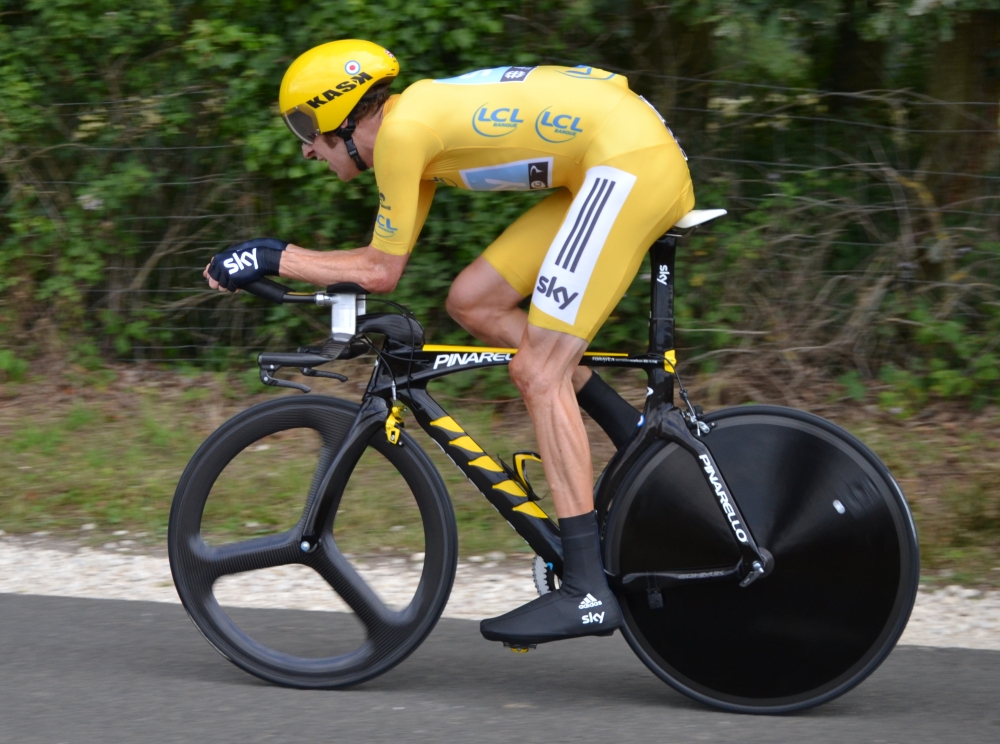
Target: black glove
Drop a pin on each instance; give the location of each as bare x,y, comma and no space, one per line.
239,265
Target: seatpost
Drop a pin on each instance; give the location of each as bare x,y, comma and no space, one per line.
661,297
662,256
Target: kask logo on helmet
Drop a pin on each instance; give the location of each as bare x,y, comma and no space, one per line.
340,89
496,123
557,127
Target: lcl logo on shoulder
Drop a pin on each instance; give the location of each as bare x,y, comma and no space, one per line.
498,122
548,287
557,127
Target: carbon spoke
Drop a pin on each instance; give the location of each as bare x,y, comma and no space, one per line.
212,562
326,456
378,619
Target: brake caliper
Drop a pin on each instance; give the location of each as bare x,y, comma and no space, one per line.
394,425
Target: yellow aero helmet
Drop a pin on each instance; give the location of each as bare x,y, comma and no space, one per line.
321,87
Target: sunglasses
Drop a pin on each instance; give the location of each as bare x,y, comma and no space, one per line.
302,121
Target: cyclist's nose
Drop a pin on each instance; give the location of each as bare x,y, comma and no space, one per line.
308,152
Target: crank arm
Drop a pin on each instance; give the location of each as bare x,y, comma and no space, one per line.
654,580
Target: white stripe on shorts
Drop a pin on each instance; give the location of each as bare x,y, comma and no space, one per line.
570,261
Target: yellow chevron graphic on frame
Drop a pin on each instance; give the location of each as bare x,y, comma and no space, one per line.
531,509
486,463
448,424
466,443
509,486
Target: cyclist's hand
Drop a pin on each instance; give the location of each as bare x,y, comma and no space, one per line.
247,262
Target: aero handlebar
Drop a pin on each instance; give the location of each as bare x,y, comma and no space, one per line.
268,289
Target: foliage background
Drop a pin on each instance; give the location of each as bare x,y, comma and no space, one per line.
854,142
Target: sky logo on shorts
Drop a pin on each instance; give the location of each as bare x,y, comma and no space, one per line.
557,127
384,228
498,122
548,286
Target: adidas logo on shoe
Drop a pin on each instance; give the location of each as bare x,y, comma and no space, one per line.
590,601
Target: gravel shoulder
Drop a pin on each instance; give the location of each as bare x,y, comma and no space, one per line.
950,617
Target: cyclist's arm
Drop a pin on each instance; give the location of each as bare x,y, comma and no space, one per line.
375,270
402,152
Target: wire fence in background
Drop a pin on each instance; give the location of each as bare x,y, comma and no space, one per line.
840,206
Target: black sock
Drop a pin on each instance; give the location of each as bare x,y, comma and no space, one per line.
611,412
583,570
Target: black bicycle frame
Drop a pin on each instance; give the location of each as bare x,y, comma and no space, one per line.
402,373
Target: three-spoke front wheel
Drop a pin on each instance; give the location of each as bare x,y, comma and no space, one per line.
386,555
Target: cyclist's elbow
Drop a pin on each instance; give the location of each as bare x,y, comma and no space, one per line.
382,283
384,271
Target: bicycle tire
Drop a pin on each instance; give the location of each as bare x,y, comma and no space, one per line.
389,636
845,574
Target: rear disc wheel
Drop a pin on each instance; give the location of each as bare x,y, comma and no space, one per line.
845,573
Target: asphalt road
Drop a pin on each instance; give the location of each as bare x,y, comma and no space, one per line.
81,670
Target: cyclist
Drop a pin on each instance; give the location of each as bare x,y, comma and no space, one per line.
619,181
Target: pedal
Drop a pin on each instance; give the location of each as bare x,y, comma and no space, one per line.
519,475
518,648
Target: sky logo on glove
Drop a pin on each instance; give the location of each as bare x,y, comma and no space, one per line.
238,262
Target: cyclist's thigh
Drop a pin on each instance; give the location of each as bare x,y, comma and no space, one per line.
518,252
625,203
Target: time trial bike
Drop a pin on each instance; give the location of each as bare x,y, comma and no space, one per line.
764,559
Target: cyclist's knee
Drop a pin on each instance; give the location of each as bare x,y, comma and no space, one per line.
534,375
523,373
457,305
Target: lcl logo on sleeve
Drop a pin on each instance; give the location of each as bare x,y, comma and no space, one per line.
384,227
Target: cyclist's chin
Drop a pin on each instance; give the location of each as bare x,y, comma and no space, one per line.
345,173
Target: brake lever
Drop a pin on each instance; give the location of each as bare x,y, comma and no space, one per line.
311,372
267,379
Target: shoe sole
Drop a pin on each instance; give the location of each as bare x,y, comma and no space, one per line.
535,640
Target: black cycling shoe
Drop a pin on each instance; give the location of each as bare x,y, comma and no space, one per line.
554,617
582,606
